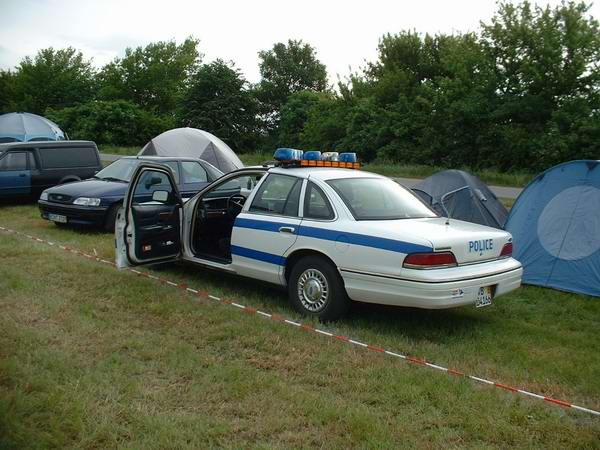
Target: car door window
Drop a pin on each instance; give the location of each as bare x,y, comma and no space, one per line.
175,168
242,184
279,194
14,161
151,181
316,205
193,172
31,161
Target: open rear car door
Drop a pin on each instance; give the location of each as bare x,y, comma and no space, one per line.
148,227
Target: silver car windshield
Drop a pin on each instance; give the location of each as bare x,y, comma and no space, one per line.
379,199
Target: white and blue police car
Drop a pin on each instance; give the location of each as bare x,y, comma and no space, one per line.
330,233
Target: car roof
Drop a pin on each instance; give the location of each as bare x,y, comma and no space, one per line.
324,173
8,145
162,158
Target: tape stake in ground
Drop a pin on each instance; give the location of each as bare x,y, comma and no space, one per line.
310,328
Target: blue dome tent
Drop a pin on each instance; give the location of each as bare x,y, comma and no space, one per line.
555,224
23,127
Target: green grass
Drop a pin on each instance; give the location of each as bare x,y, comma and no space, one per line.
491,177
96,358
387,168
394,169
116,150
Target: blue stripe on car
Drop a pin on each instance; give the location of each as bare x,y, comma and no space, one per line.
364,240
333,235
264,225
255,254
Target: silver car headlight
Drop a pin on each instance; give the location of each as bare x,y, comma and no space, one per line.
86,201
44,196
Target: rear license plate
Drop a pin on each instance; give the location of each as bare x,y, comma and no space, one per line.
484,297
57,218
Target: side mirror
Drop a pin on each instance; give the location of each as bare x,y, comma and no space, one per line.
160,196
152,181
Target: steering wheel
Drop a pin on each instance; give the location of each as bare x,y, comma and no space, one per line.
235,203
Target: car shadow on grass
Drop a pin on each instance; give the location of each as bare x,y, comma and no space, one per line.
28,200
381,320
415,323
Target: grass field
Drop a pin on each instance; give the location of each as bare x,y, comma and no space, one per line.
95,358
387,168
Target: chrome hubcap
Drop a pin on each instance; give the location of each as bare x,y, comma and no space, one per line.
313,290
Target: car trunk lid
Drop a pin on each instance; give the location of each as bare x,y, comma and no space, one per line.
469,242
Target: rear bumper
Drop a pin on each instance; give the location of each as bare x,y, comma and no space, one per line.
428,295
77,215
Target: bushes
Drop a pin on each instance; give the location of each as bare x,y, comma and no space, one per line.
117,122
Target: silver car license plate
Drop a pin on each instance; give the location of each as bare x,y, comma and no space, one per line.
484,297
57,218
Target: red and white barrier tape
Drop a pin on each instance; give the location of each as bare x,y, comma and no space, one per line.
308,327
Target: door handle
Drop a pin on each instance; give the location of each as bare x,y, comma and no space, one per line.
287,230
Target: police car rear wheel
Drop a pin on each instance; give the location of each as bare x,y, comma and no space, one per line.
316,289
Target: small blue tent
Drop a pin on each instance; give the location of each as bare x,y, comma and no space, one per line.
555,224
23,127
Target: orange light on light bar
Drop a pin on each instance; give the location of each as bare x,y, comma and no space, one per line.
338,164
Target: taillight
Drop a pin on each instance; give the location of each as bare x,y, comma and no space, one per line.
429,260
506,250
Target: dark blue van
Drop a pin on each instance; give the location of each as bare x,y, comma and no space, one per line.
96,201
27,168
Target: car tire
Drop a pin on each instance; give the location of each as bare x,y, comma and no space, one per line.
316,289
111,217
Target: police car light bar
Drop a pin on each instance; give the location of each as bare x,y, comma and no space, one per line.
289,157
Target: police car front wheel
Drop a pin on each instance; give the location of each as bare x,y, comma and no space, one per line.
316,289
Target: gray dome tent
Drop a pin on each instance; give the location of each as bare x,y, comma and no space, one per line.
193,143
460,195
23,127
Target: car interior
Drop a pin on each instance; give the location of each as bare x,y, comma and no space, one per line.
154,210
215,214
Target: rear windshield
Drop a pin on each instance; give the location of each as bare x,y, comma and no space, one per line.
379,199
59,158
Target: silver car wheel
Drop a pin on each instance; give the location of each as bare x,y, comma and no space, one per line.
313,290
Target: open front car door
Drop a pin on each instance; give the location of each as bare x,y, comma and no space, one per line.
148,227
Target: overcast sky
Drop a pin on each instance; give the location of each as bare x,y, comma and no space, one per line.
345,33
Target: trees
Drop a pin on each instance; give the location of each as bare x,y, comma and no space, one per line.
153,77
548,78
294,116
116,122
524,92
7,95
52,79
218,100
285,70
